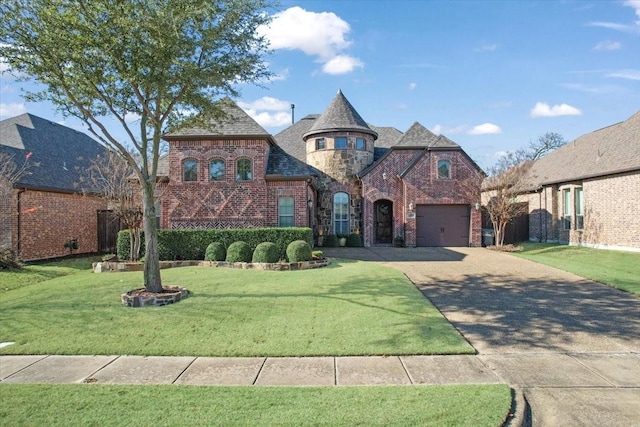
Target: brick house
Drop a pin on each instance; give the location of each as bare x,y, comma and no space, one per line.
588,191
46,208
332,172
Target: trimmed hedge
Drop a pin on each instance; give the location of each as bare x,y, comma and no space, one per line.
299,250
266,252
239,252
192,244
354,241
215,252
331,241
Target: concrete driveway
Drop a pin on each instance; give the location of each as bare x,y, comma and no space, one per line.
571,344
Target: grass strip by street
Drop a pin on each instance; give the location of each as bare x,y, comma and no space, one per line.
618,269
116,405
348,308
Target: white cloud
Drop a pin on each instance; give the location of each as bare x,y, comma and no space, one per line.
412,86
442,130
485,129
268,111
323,35
342,64
635,4
486,48
268,119
499,154
626,74
265,103
131,117
542,109
615,26
607,45
11,110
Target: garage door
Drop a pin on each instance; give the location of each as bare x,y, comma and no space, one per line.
442,225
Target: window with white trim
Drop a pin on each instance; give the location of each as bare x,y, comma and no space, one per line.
341,213
566,209
579,206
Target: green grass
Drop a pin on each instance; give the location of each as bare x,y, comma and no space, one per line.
34,273
618,269
348,308
102,405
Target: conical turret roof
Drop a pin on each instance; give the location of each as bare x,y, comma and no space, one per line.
339,116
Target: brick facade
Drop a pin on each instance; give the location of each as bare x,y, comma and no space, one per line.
227,203
42,222
419,186
610,213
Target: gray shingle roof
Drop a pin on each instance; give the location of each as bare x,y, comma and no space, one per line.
339,116
417,136
387,135
613,149
236,123
290,139
281,164
59,153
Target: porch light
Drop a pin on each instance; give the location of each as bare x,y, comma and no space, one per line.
384,176
477,206
410,206
309,203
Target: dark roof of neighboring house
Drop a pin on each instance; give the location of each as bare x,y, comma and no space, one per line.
607,151
58,153
237,123
339,116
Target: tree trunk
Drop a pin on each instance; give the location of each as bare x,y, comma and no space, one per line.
134,250
152,280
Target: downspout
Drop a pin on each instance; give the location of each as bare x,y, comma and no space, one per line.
22,190
540,213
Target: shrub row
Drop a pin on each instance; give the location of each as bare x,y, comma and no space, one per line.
353,241
265,252
192,244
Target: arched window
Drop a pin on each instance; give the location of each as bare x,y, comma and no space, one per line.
341,213
216,170
243,170
189,170
444,169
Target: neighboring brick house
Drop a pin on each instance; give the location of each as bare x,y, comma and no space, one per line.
332,172
46,208
588,191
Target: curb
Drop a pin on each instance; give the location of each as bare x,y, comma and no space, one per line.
520,414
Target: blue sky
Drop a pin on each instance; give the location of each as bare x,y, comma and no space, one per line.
490,75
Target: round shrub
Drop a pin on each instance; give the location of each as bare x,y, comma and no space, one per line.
354,241
266,252
215,252
298,250
239,252
331,241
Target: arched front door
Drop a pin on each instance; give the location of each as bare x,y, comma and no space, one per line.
383,221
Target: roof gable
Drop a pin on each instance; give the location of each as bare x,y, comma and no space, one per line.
339,116
416,136
236,123
59,154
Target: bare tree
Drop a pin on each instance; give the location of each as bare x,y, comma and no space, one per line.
10,174
503,189
111,176
545,144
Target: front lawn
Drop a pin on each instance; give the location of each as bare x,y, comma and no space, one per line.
117,405
348,308
618,269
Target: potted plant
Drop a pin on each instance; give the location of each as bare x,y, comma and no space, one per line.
398,241
342,240
320,236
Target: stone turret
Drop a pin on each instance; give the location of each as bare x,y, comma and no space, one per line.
340,143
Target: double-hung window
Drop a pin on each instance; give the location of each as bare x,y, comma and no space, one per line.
579,205
285,212
243,170
566,209
189,170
